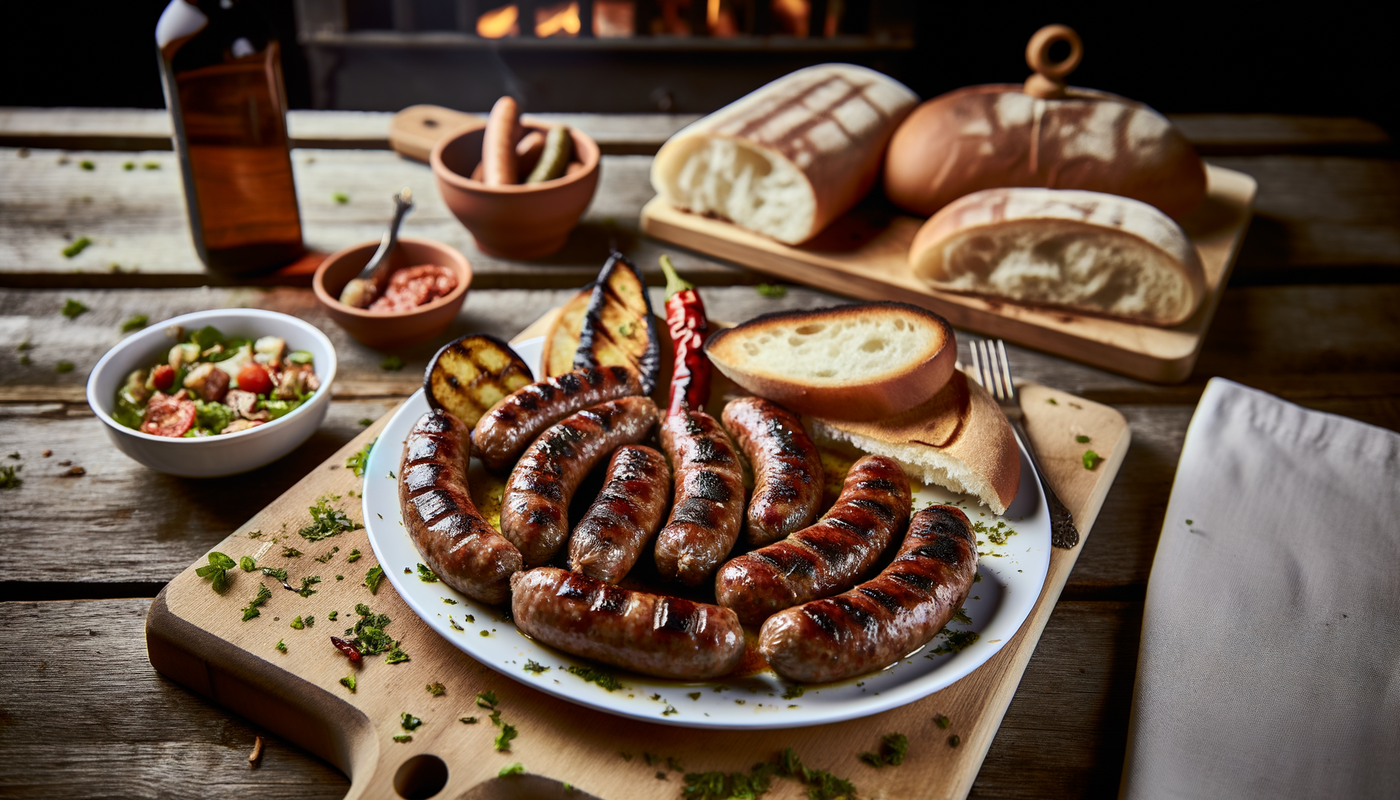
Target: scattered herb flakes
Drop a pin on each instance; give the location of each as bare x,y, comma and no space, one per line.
511,769
391,364
392,478
426,575
693,695
72,309
1082,439
449,601
467,720
87,166
486,699
503,739
8,478
402,737
484,634
247,564
366,422
327,521
307,583
436,689
409,722
327,557
217,570
77,246
331,616
1091,459
660,776
670,709
594,675
794,691
63,366
961,616
1190,522
151,165
264,594
893,747
997,533
297,624
281,646
368,634
954,740
135,322
373,578
353,557
254,534
275,572
310,621
291,552
673,763
129,166
626,756
652,759
535,667
396,656
469,619
1051,401
360,460
340,577
453,623
953,642
942,721
771,289
340,198
348,682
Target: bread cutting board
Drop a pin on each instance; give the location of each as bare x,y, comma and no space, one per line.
198,638
864,254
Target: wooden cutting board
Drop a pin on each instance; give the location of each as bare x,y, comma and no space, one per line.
864,254
198,638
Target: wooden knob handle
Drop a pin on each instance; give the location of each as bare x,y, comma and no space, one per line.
1049,77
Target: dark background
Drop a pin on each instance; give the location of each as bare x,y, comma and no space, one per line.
1177,57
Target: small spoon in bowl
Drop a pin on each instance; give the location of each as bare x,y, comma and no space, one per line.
370,283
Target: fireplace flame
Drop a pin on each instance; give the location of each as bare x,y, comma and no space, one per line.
499,23
557,20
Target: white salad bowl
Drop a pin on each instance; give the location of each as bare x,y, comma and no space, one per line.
226,454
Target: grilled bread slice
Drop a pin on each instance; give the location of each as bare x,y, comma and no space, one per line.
469,376
561,342
619,328
860,362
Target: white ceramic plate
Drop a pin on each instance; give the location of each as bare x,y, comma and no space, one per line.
1011,578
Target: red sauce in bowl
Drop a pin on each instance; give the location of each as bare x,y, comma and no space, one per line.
411,287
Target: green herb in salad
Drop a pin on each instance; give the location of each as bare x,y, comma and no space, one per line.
211,417
299,357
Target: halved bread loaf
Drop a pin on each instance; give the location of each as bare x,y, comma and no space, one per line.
958,439
1082,251
862,361
790,157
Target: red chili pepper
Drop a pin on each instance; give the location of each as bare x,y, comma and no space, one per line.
351,651
685,318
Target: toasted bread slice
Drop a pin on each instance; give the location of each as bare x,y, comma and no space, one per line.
561,342
858,362
619,328
469,376
958,439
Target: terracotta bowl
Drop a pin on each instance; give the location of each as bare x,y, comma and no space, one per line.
388,331
522,221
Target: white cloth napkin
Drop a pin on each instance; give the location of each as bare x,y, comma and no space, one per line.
1270,656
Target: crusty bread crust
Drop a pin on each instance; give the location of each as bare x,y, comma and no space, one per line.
1084,251
820,132
959,439
871,392
984,137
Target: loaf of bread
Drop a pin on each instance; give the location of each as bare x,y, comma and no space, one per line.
985,137
958,439
1082,251
790,157
861,361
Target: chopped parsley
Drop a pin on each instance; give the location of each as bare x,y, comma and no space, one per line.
360,460
291,552
511,769
1082,439
535,667
348,682
63,366
1091,459
327,557
391,364
79,245
771,289
449,601
953,642
396,656
307,583
1051,401
961,616
954,740
373,578
402,737
135,322
275,572
409,722
368,634
353,557
340,198
426,575
486,699
247,564
893,747
942,721
821,785
281,646
264,594
8,478
453,623
331,616
467,720
72,309
502,742
327,521
365,422
297,624
436,689
794,691
997,533
594,675
216,570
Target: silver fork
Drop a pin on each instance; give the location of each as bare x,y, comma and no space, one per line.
991,369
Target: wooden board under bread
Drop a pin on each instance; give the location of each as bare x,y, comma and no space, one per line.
197,638
865,255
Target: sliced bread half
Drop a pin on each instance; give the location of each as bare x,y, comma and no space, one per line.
959,439
862,361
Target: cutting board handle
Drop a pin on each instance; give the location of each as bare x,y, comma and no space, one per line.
414,131
1049,78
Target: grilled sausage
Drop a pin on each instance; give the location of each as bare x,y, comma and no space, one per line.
627,513
648,633
512,424
709,502
882,620
535,505
455,542
828,557
787,469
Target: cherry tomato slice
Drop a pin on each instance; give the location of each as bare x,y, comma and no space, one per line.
163,377
253,378
168,415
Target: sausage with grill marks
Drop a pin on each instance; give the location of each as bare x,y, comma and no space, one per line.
455,542
882,620
787,469
512,424
828,557
535,504
708,508
648,633
627,513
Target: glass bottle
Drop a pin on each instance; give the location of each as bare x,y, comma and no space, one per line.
222,71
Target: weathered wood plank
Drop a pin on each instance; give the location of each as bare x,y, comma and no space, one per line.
85,716
83,675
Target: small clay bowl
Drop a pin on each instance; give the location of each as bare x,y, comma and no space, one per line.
388,331
521,221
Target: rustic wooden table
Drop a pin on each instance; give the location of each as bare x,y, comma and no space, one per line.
1312,314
